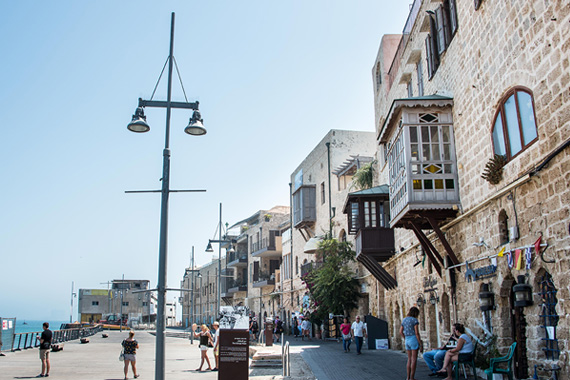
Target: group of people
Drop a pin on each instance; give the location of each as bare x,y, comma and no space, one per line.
254,328
208,339
440,360
302,327
356,330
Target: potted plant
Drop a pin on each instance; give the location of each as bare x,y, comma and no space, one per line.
267,217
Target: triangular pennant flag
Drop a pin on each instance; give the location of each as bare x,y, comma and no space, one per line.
518,259
501,252
537,245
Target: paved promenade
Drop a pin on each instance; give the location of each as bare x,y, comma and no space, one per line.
98,360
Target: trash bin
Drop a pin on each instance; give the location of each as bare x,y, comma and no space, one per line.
269,332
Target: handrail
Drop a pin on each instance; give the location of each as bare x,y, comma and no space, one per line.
31,339
285,358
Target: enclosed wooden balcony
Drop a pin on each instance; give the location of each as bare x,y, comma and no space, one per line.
368,218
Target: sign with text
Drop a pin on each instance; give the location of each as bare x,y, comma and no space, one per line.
234,355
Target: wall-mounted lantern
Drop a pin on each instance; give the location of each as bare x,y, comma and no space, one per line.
421,300
486,298
433,297
523,292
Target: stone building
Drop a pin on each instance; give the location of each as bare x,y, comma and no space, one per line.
319,187
94,304
471,89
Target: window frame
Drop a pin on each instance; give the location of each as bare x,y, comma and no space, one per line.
500,111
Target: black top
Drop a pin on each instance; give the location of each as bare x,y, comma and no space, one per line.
46,337
130,346
203,340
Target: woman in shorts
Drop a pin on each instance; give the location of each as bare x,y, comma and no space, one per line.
410,332
130,346
205,339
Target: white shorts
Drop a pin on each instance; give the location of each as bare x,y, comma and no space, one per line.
203,347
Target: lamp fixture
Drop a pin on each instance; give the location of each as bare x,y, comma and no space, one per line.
486,298
433,298
209,247
138,123
195,126
523,292
421,300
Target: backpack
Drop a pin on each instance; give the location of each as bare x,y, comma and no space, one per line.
254,326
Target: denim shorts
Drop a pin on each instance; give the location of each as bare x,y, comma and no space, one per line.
412,343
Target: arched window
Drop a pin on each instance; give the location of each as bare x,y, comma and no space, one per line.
342,236
503,227
514,126
296,265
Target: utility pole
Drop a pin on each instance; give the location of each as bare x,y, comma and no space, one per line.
121,316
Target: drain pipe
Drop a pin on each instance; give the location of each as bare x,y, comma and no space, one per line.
328,144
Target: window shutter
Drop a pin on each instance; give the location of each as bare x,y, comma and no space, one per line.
434,50
429,57
446,23
453,16
440,30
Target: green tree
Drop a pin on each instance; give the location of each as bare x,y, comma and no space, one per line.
333,286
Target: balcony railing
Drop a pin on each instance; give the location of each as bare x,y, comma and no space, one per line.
270,244
236,257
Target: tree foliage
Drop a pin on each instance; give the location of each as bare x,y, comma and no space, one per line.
364,176
333,286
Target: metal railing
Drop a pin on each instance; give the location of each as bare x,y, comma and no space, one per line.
285,358
23,341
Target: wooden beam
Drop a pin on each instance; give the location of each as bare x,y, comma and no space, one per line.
443,240
427,246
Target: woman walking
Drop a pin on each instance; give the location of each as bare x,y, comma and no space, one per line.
410,332
205,338
130,347
346,337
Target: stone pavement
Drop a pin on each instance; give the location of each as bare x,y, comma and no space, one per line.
98,360
328,361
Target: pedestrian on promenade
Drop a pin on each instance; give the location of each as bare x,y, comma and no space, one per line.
434,358
254,328
306,329
462,350
358,330
346,336
130,347
205,339
216,326
295,327
411,333
45,345
278,330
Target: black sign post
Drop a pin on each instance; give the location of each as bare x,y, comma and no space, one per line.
234,355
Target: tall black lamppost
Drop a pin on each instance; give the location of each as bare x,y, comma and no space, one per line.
210,249
195,128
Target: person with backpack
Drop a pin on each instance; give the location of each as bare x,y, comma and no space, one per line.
254,328
278,329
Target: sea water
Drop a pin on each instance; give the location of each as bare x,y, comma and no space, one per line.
35,326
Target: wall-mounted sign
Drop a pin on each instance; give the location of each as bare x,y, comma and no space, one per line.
479,273
429,283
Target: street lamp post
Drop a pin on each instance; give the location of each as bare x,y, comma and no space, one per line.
209,249
195,127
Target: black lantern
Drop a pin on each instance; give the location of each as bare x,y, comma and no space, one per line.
486,298
523,292
420,301
433,298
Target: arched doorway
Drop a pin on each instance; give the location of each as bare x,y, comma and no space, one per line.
397,323
446,316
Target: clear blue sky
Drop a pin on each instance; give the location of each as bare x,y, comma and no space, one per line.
272,78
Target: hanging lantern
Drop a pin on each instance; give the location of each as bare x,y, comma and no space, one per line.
486,298
420,301
523,292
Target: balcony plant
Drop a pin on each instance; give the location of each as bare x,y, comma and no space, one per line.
364,176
